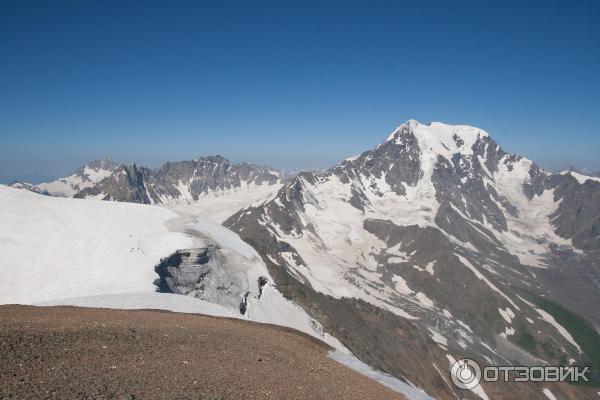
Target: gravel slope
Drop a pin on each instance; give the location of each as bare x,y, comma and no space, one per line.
69,352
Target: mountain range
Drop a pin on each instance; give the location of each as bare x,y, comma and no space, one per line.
434,245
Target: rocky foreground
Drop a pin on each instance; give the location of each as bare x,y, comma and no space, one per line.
69,352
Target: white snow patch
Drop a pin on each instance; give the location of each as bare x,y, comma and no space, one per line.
467,327
507,314
438,338
428,268
424,300
508,331
401,285
549,394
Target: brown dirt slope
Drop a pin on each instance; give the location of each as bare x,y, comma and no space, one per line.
79,353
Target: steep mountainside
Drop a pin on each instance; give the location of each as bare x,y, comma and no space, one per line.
431,247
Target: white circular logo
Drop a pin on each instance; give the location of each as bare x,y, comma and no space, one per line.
465,373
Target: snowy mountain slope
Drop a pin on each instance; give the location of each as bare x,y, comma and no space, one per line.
219,205
441,228
84,177
57,248
91,253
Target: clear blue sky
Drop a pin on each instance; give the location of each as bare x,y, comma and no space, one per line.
295,85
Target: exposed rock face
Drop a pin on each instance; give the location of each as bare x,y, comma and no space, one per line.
184,180
396,161
183,270
578,214
126,183
441,235
200,273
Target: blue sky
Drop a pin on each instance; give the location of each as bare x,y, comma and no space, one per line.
291,84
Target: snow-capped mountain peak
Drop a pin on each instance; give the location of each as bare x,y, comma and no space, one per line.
86,176
438,137
435,225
